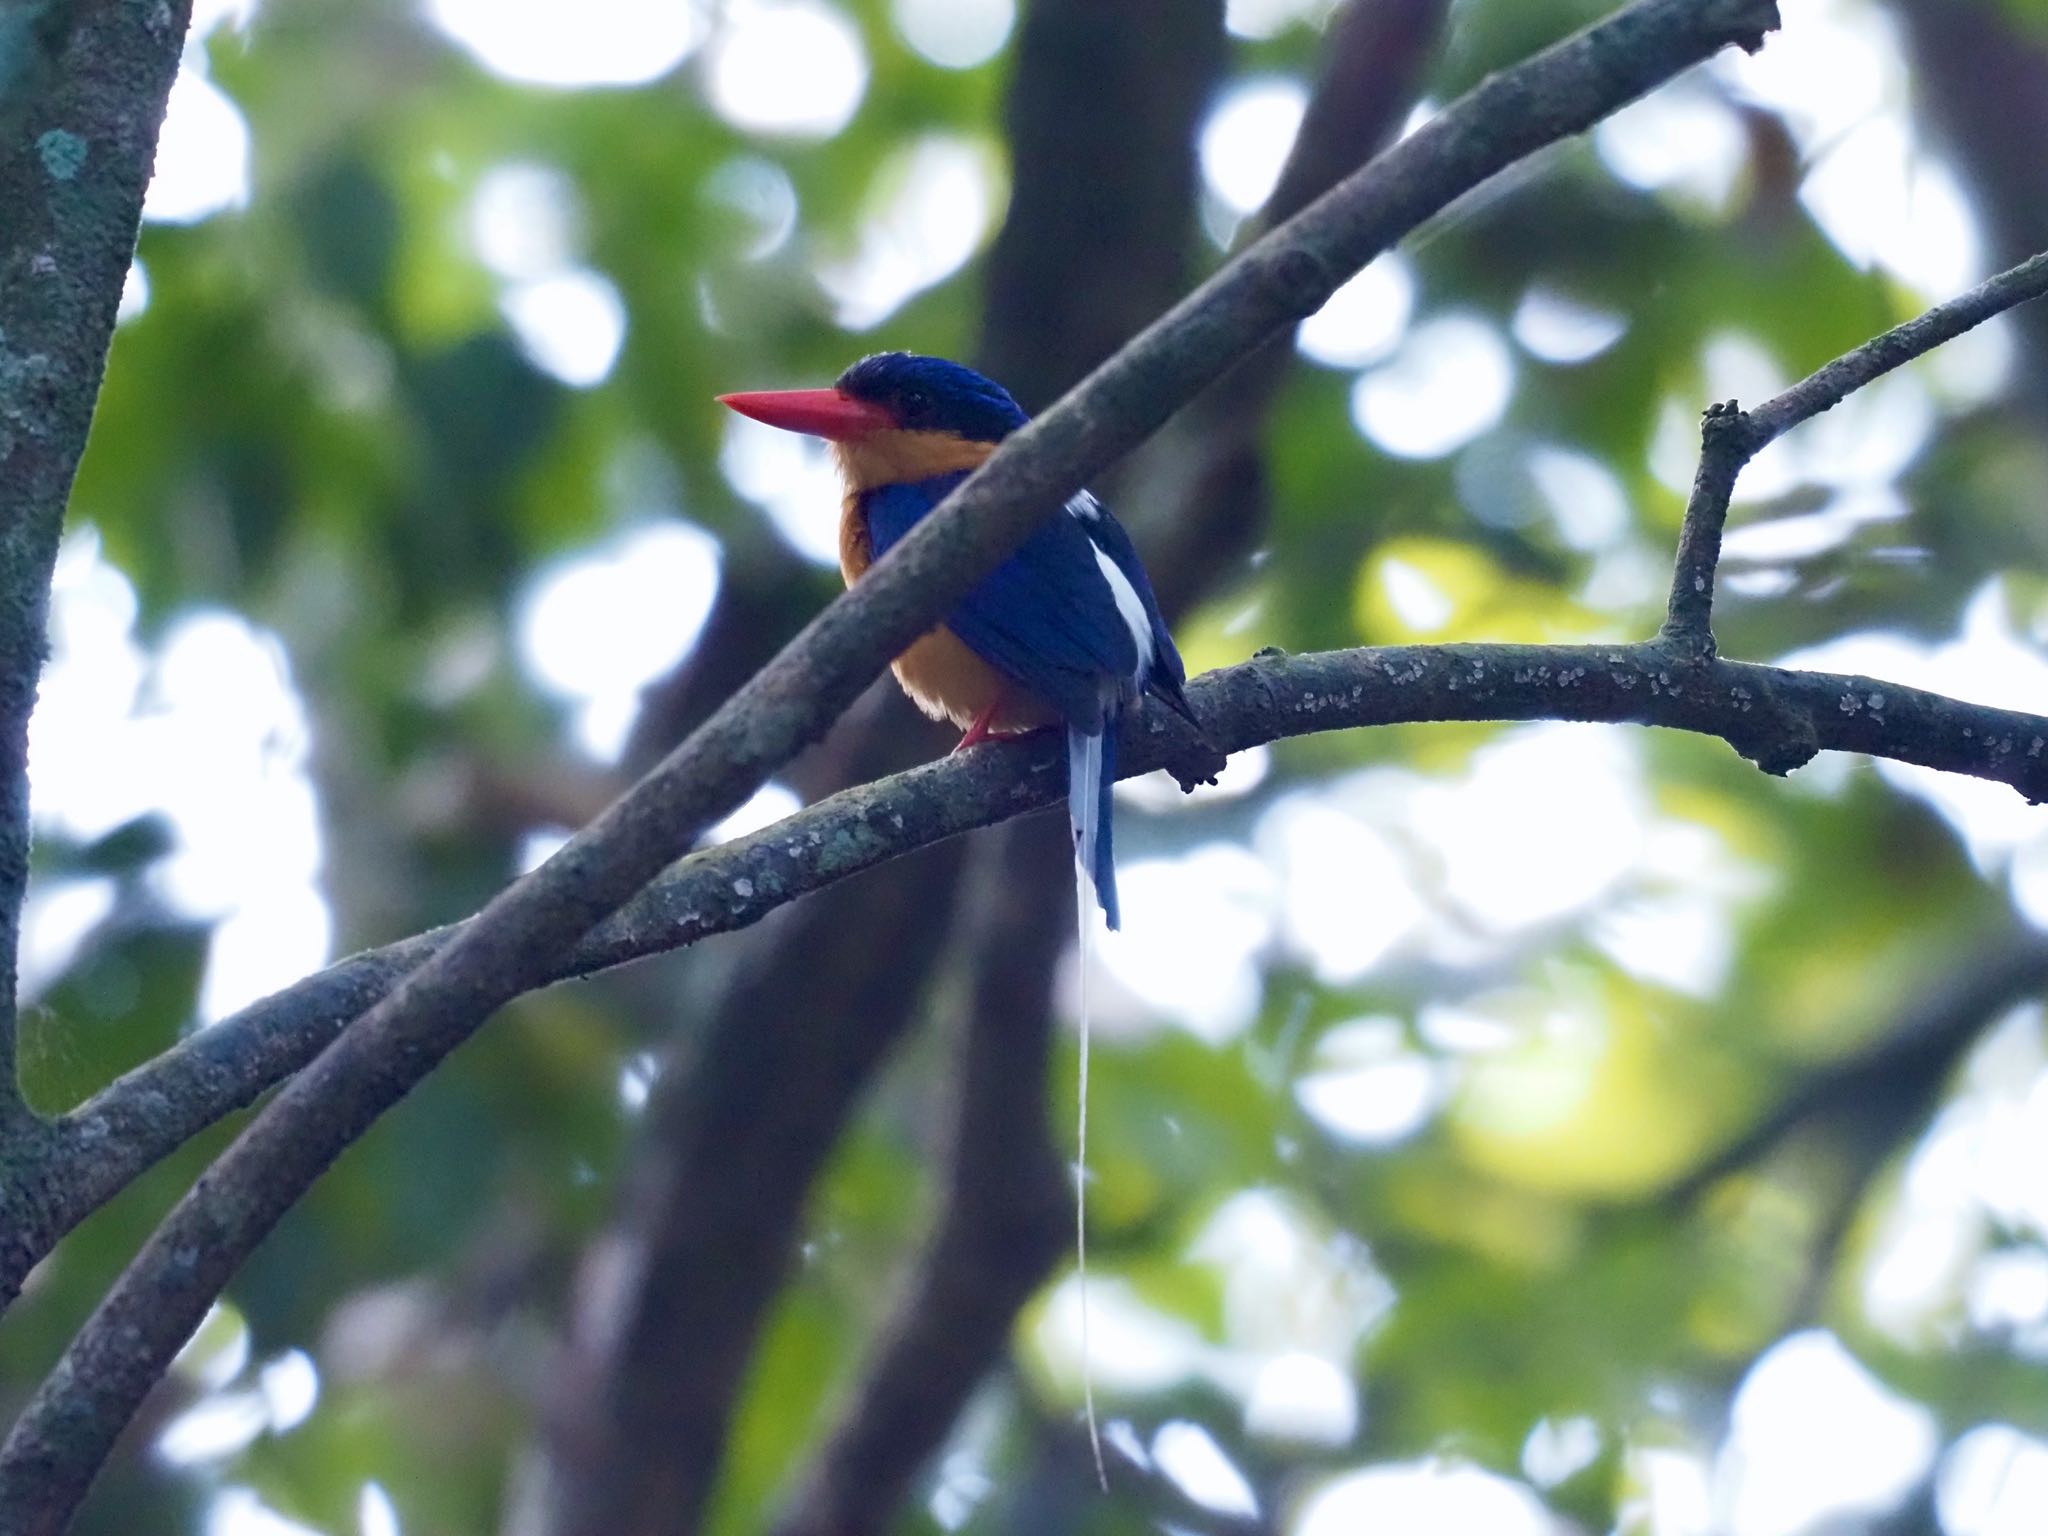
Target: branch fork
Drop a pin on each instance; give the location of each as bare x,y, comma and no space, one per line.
1725,447
1731,437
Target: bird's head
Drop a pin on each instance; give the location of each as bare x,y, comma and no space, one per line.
894,417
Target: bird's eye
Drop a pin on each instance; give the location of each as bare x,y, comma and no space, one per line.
917,402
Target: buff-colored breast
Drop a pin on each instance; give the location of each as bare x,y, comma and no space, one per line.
943,677
949,682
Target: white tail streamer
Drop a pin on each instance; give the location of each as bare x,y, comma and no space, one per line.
1082,886
1084,802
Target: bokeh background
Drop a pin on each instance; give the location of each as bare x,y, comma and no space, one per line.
1509,1129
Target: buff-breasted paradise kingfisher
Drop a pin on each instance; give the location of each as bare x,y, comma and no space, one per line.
1064,632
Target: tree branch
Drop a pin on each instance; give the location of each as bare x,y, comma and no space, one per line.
82,90
735,1137
1732,437
1689,617
1775,716
1083,261
70,1425
1869,1101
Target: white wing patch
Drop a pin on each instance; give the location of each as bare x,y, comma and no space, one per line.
1082,504
1129,605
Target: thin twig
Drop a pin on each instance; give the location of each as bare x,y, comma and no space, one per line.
70,1425
1731,437
1688,622
1829,386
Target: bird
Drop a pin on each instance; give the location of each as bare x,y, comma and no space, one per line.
1064,633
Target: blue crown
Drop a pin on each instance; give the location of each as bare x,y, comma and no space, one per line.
929,394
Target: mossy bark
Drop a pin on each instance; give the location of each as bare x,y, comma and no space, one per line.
83,85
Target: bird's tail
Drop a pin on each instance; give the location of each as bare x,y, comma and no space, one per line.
1091,774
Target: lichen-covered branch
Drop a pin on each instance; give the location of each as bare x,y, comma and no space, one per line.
1777,717
82,90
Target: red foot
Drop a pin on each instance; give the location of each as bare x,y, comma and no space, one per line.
979,731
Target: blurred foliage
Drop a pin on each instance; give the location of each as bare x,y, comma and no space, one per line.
324,420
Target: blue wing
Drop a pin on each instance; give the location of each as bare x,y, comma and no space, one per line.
1045,616
1168,672
1048,617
